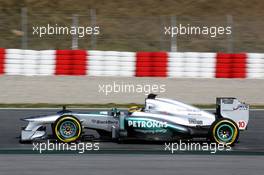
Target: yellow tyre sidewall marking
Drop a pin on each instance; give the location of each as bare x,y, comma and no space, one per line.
235,133
69,139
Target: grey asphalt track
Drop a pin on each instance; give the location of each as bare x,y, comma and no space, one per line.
130,164
250,140
112,164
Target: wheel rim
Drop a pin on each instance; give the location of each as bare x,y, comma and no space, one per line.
68,129
225,133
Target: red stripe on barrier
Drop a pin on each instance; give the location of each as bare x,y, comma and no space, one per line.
151,64
223,65
63,62
71,62
79,52
159,64
63,52
2,60
231,65
143,64
239,62
79,63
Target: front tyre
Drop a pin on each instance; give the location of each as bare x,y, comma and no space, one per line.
67,128
224,131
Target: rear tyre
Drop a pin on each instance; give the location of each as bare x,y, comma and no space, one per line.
67,129
224,131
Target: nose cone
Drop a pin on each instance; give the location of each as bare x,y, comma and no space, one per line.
43,118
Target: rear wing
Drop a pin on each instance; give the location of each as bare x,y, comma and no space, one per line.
232,108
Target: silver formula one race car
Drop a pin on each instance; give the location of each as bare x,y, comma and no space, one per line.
160,119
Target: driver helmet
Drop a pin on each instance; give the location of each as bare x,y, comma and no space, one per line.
133,109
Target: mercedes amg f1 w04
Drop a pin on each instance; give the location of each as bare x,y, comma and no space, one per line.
160,119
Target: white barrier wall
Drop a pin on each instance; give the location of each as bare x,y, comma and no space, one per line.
191,65
255,65
131,64
111,63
